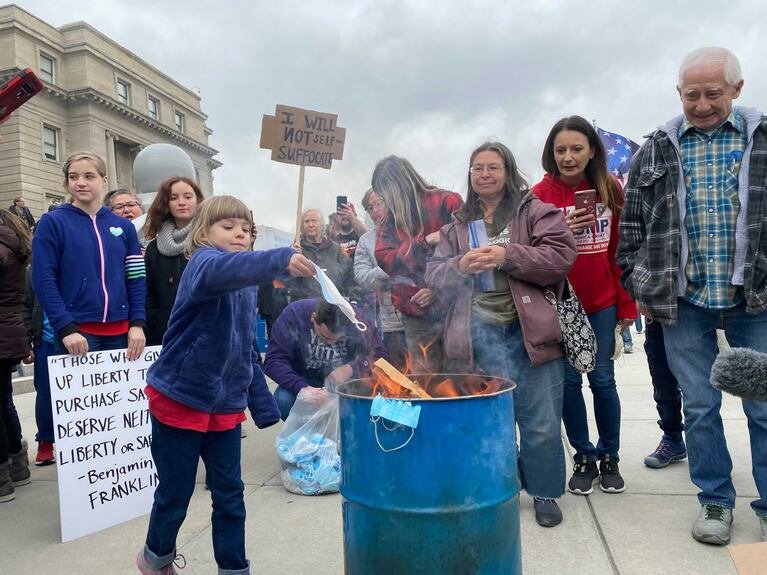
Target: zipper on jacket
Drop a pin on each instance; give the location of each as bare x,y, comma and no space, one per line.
103,271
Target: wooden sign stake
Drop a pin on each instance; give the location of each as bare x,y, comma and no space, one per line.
300,205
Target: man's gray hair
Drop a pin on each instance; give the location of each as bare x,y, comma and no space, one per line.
320,216
711,56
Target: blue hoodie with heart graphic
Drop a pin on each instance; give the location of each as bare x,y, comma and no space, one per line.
88,269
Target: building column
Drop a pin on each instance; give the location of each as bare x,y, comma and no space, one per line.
111,162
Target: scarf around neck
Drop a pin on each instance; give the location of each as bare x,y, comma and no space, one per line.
170,241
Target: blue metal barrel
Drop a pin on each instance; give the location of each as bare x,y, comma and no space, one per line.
446,503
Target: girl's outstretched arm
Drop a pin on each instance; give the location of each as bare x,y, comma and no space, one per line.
213,272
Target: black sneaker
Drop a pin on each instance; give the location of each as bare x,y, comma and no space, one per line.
610,480
547,512
585,475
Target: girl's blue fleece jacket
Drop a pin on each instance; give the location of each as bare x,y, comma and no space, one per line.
88,269
209,360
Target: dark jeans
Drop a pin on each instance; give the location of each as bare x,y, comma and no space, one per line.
176,453
13,415
607,405
10,429
43,406
97,343
665,389
395,345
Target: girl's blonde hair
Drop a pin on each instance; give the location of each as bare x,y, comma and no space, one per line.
214,210
95,159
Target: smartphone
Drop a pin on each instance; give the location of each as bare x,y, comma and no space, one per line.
586,199
341,201
18,90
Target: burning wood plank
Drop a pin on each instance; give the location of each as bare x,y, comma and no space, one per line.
399,378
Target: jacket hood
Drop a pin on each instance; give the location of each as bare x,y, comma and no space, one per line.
9,238
325,243
752,116
526,199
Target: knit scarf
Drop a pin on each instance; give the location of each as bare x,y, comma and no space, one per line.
170,241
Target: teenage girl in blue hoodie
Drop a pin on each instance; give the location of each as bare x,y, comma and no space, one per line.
208,371
88,271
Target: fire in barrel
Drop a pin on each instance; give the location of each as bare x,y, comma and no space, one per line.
429,475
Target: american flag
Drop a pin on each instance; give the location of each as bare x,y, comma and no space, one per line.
619,152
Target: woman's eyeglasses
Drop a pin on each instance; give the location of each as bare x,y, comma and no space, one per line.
492,169
378,204
131,204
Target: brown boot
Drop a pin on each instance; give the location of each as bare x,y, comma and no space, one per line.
7,492
20,467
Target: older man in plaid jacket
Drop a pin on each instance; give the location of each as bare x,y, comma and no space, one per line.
693,251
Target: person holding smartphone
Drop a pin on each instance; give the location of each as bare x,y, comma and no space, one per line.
577,182
349,227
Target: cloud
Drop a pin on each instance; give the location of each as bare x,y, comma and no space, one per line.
425,80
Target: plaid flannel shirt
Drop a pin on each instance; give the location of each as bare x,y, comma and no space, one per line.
711,163
650,246
399,255
404,258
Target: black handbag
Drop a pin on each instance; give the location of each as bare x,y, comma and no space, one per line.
578,338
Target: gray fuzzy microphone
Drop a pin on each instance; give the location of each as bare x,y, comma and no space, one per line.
741,372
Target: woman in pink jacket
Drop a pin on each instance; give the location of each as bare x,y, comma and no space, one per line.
509,329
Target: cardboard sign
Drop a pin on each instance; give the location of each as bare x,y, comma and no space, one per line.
103,436
303,137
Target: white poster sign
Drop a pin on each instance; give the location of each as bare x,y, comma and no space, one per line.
103,436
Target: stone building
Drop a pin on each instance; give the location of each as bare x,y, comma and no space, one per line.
98,96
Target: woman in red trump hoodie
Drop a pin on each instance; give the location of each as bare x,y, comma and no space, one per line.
574,159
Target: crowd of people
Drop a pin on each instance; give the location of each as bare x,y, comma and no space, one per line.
680,245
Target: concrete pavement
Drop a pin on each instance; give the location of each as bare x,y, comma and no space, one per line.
645,530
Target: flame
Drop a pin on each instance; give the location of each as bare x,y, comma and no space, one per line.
388,387
445,388
479,385
425,348
455,386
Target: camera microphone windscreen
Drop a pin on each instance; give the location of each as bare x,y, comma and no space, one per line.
741,372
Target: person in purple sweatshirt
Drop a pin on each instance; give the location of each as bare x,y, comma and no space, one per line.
311,341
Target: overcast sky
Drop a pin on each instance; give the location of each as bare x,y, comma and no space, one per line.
427,80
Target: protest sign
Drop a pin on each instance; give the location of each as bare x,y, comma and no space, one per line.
304,138
103,437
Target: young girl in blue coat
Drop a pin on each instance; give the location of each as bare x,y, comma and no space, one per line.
207,373
88,270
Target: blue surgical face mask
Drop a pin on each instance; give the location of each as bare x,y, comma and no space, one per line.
333,296
396,410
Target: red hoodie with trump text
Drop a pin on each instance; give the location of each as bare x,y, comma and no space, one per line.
595,277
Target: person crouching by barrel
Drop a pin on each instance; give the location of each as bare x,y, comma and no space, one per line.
313,341
499,322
